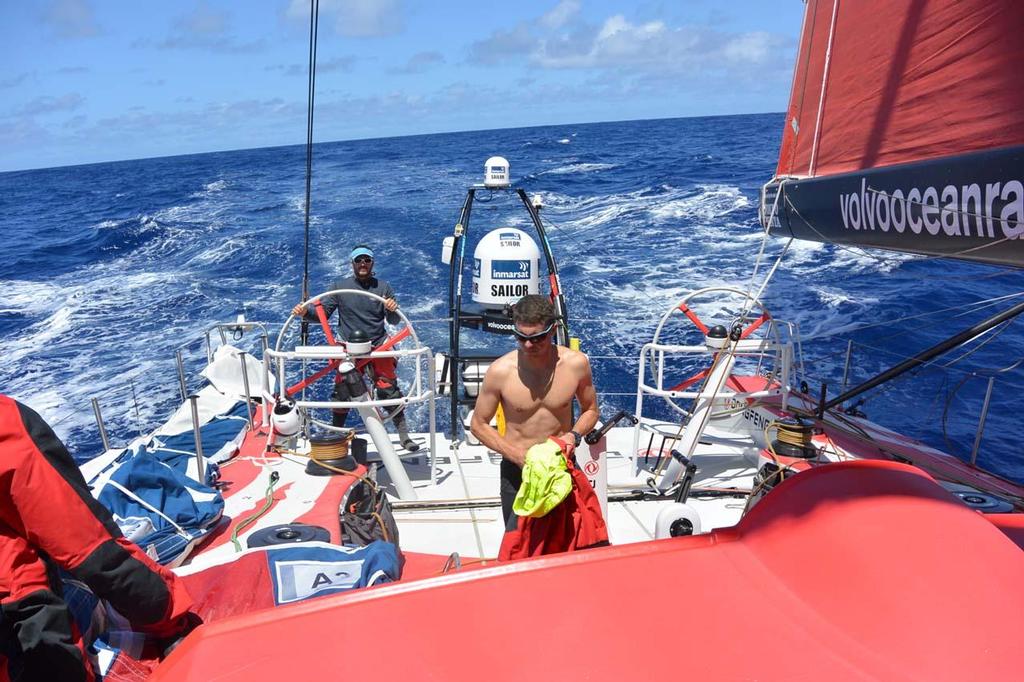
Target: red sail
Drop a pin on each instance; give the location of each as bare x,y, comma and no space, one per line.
905,129
903,81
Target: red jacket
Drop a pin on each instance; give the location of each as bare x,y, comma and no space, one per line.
574,524
48,519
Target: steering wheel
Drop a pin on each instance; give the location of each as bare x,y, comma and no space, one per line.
743,323
405,330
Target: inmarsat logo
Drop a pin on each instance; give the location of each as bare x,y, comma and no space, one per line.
992,209
515,269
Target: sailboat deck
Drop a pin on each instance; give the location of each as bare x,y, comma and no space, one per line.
460,510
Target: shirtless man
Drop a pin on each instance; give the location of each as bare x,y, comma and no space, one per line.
535,385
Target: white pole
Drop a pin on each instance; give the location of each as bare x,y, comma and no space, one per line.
381,439
701,413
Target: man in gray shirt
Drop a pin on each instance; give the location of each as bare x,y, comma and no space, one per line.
362,313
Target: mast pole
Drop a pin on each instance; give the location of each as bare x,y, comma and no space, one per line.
925,356
314,14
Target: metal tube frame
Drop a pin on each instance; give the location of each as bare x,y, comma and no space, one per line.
200,460
99,423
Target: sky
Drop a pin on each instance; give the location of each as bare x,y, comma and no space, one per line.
85,81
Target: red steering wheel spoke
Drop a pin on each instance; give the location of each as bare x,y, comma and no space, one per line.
752,327
693,318
686,383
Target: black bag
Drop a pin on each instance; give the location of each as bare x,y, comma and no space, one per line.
366,516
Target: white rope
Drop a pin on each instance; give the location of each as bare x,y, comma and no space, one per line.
181,531
824,85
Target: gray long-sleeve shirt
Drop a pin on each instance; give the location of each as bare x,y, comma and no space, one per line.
359,312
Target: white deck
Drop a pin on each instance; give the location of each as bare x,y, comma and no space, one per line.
471,521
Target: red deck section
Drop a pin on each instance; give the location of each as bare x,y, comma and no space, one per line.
247,466
858,570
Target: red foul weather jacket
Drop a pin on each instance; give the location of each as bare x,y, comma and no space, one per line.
576,523
48,519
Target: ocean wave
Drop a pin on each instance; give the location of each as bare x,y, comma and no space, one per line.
713,202
27,296
833,298
579,168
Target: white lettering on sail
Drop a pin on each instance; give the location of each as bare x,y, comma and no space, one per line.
952,210
968,194
897,205
1012,216
914,199
883,221
991,193
867,199
855,203
930,210
950,216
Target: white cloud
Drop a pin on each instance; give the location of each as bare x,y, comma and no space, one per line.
752,48
503,45
355,18
561,39
561,14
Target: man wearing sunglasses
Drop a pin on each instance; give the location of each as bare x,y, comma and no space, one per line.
366,315
535,385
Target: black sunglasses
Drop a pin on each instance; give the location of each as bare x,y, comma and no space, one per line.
523,338
362,259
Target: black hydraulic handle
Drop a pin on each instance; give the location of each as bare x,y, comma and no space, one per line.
600,433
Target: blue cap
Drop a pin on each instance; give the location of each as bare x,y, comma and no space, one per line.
360,251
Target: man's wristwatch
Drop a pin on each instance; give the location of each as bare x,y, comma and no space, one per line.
577,438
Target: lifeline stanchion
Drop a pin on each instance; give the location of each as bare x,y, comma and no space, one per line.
181,375
245,384
99,423
846,367
981,421
200,463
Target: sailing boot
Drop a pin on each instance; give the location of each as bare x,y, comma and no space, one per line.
403,433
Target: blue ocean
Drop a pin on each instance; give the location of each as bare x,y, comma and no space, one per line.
111,268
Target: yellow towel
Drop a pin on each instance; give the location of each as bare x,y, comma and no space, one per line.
546,481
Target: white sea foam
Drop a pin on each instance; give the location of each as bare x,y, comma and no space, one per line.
833,298
220,253
714,201
579,168
23,296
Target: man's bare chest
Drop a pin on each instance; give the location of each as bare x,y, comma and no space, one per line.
528,394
